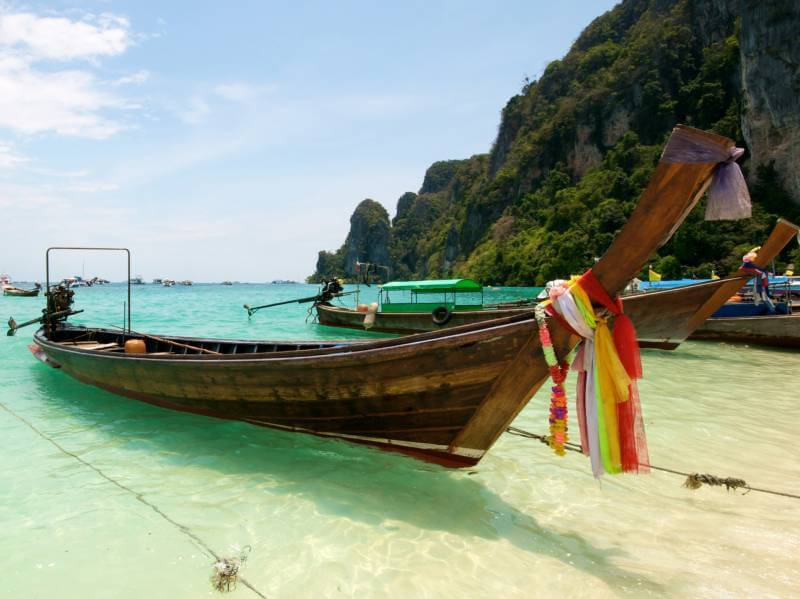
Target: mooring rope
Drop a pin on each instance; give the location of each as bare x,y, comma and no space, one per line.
693,479
138,496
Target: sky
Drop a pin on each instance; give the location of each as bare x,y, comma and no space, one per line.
233,140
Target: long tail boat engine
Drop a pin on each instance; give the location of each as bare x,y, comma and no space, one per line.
59,306
331,288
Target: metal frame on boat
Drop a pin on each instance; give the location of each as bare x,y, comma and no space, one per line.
444,396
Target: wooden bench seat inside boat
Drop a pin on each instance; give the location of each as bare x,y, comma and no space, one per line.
95,345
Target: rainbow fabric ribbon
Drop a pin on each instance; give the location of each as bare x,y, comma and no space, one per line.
608,364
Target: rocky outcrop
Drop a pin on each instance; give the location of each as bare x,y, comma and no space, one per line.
439,175
770,54
368,239
585,154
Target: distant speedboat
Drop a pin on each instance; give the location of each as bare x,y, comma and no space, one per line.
227,283
137,280
72,282
186,282
168,282
158,281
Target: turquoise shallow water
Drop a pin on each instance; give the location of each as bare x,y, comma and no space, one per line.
325,518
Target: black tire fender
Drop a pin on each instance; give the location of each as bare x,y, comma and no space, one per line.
441,315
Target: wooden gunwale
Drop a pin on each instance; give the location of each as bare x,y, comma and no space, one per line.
346,348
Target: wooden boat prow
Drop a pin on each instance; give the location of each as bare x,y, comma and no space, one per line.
664,319
443,396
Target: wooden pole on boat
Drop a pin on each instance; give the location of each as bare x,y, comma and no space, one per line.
303,300
170,342
13,326
781,235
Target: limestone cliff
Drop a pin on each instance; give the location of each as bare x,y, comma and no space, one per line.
575,148
770,51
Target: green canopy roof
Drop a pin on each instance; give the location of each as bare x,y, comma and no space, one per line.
435,286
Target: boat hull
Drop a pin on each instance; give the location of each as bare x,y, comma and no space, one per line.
405,395
407,323
776,331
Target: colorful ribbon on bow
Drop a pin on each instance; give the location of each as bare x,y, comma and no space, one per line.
608,364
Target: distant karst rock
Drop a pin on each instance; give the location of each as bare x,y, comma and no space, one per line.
368,240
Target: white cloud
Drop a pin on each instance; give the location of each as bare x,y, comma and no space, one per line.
59,38
68,101
136,78
9,159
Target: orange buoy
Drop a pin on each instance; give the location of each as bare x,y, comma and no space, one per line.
135,346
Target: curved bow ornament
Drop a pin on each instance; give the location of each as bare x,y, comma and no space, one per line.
728,197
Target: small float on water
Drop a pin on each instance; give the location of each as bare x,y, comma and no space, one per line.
444,396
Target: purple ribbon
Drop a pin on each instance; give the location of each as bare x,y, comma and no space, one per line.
728,198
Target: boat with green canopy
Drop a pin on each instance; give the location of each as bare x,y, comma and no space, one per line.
418,306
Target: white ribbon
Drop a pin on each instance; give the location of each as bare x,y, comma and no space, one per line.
565,304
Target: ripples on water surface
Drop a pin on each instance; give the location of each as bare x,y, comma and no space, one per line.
325,518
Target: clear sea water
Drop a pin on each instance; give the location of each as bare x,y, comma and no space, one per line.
326,519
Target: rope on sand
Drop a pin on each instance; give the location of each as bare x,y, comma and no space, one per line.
693,479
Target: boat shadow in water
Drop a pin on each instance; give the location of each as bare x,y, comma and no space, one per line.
359,483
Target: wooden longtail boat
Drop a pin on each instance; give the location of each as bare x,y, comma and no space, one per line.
663,319
17,292
748,322
444,396
780,330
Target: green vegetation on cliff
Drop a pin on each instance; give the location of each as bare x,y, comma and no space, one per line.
574,151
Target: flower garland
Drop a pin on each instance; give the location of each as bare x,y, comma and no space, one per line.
558,396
